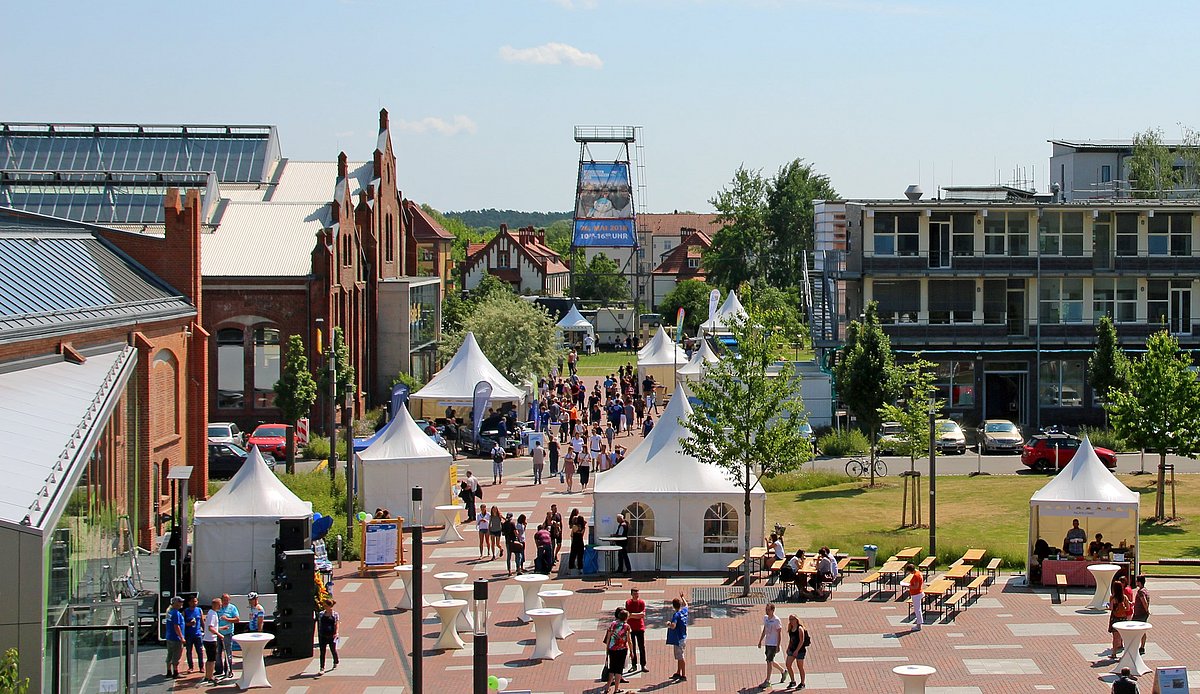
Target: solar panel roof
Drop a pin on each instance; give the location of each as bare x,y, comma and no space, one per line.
102,197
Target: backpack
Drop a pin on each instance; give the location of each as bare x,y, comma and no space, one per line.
807,638
497,454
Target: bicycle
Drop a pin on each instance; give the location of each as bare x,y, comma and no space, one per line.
859,467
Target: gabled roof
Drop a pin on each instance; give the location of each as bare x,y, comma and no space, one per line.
425,227
542,256
672,224
264,239
675,262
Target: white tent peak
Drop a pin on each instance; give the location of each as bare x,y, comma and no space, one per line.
254,492
660,338
403,439
574,320
469,366
731,309
662,351
1085,479
699,361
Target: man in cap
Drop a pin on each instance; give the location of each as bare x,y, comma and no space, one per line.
257,614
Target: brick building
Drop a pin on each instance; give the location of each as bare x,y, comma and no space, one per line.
523,260
683,262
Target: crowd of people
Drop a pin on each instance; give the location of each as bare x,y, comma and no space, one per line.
207,637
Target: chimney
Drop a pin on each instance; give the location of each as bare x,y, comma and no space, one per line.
342,168
503,228
913,192
541,236
383,119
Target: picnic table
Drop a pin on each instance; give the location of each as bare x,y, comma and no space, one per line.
973,556
957,572
909,553
892,570
757,557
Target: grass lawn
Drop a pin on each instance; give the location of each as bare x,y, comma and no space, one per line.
606,363
987,512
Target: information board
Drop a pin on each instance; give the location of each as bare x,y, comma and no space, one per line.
1171,680
381,543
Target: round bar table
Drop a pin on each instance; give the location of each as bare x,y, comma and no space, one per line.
448,611
557,599
1131,635
658,543
404,572
466,593
450,578
254,671
914,677
449,514
546,647
609,553
530,585
1103,574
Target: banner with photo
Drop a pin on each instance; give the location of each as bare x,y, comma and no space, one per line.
604,205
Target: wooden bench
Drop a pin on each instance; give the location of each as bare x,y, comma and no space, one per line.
1060,584
927,564
1178,561
935,593
859,562
993,569
955,603
735,567
958,572
978,584
876,578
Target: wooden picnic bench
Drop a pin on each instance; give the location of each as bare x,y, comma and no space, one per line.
909,553
955,603
957,573
993,568
927,564
935,593
735,567
860,563
873,578
978,584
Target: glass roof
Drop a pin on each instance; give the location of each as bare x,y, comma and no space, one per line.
102,197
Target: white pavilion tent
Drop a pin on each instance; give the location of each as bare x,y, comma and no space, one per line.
661,361
731,309
574,322
677,496
660,338
401,458
694,369
236,529
455,384
1086,490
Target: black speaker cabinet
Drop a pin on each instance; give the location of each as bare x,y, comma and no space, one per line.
294,534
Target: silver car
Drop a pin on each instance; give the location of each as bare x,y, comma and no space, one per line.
226,432
950,437
1000,435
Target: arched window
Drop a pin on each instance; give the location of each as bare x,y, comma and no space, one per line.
231,369
720,530
266,365
640,518
164,384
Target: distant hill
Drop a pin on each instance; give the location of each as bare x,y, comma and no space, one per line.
515,219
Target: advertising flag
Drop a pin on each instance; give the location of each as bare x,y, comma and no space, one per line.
714,300
679,324
483,393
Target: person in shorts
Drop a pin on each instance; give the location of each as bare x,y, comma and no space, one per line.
796,650
616,643
677,637
771,632
1141,608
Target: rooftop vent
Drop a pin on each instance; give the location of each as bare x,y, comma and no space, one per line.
913,193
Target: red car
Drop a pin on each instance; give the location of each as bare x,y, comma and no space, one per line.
1039,452
270,438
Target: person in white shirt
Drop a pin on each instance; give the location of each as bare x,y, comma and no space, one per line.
595,443
777,546
212,642
577,446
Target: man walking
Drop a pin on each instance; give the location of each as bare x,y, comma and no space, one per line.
451,436
539,461
916,592
677,636
771,632
637,629
497,463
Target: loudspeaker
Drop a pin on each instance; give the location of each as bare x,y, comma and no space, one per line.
294,642
294,534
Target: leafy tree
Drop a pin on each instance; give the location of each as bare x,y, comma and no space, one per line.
739,248
600,280
515,219
1189,151
1152,166
346,383
456,308
782,304
1108,367
516,335
463,233
915,382
747,422
1158,409
864,374
559,236
790,220
11,681
295,392
692,297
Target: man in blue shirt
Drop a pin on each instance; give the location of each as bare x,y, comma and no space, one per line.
677,636
257,613
175,637
229,618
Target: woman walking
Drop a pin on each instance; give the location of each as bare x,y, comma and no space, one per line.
578,526
495,523
327,633
569,470
796,650
482,523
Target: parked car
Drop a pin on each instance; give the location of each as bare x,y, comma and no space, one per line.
1000,435
270,438
950,437
225,459
890,438
1041,450
225,432
433,431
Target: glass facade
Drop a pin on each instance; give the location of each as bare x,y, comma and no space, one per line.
422,319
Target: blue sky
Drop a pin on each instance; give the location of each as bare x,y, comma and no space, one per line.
484,95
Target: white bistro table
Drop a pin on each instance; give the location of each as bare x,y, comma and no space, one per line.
404,572
450,578
658,544
1131,635
557,599
254,670
448,611
914,677
464,592
530,585
449,514
1103,574
608,555
546,647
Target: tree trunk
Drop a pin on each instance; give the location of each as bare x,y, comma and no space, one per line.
291,449
1160,497
746,536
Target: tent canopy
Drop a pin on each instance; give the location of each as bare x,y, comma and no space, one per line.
254,492
731,309
699,362
401,441
574,321
456,381
660,338
662,351
1085,479
401,458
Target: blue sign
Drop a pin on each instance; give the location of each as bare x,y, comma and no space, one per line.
605,232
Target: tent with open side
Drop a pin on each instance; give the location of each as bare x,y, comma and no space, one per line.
236,530
401,458
574,322
455,384
694,369
661,361
665,492
731,309
1086,490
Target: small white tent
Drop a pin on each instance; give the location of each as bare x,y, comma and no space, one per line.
455,384
574,322
694,369
660,338
401,458
236,529
731,309
666,492
662,361
1086,490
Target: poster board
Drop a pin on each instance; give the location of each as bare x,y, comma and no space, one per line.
1171,680
380,546
454,485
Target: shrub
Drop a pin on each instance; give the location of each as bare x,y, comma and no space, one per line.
1104,438
318,448
801,481
843,443
328,499
371,421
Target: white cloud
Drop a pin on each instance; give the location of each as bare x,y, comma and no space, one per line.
551,54
458,124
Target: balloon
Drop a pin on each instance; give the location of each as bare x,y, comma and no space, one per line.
316,515
493,682
363,516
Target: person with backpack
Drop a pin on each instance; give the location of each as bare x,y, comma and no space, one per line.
616,644
498,462
677,637
797,649
1141,608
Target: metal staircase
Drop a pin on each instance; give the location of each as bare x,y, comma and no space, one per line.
818,303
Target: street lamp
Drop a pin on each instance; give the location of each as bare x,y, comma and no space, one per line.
480,667
932,481
416,527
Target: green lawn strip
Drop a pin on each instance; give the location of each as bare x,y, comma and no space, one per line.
604,363
984,512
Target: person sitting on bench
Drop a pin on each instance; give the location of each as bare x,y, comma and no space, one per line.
789,572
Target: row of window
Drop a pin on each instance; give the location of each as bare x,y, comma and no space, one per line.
234,351
1061,382
720,528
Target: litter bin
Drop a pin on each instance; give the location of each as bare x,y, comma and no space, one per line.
869,551
591,564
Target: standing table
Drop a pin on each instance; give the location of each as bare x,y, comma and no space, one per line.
914,677
1104,574
1131,635
404,572
658,543
609,552
546,647
449,514
448,611
254,671
557,599
450,578
530,585
464,592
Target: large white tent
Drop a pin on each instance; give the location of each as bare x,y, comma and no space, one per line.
574,322
236,529
455,384
660,338
701,359
661,361
688,500
401,458
731,309
1086,490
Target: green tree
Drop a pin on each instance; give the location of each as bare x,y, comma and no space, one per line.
782,304
346,384
516,335
559,236
11,681
1108,367
600,280
864,375
1152,166
746,421
1158,409
1189,151
692,297
456,308
914,381
790,220
295,393
739,248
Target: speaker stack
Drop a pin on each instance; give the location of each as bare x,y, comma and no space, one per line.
295,590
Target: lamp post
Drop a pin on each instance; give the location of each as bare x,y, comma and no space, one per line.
416,527
932,481
480,666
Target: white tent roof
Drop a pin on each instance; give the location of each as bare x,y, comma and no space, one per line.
574,320
457,380
655,342
732,308
700,361
403,440
1085,479
659,466
662,351
254,492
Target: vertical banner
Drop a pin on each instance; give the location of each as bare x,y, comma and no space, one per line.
679,324
714,300
604,206
483,394
399,397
